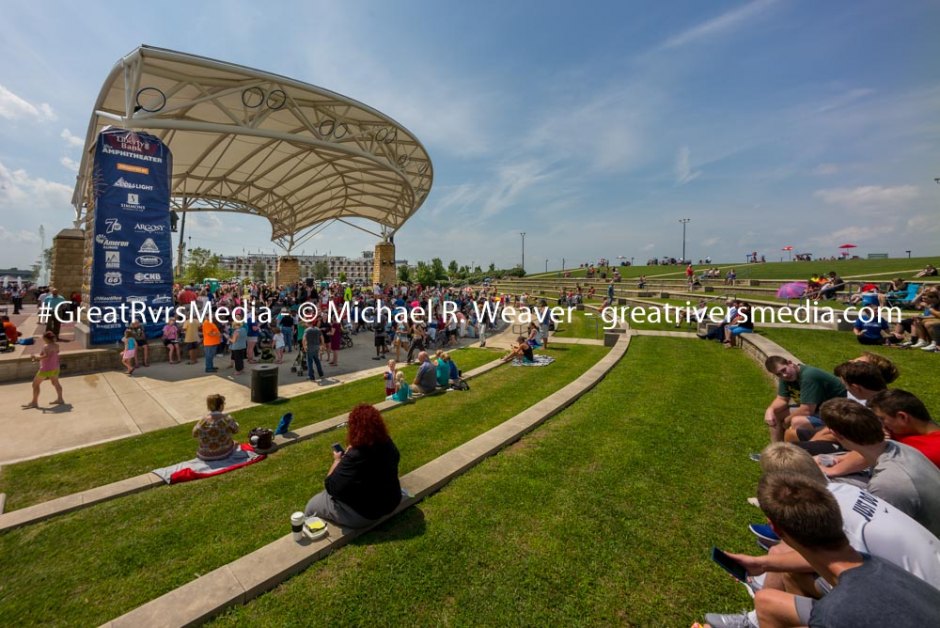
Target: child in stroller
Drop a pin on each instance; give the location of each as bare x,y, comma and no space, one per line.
265,347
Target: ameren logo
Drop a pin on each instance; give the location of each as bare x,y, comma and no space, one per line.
143,227
130,185
110,244
148,277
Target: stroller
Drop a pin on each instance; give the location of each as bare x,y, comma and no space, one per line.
347,341
265,348
300,362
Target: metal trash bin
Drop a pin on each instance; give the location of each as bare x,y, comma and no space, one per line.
264,383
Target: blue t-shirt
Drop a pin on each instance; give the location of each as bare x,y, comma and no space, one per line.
872,328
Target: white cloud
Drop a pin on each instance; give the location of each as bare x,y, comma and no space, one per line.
70,139
12,107
512,180
22,193
19,236
71,164
721,25
846,98
872,196
684,172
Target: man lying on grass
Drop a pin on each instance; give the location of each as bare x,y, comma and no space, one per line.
801,389
872,527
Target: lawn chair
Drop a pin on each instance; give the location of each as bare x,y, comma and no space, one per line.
904,298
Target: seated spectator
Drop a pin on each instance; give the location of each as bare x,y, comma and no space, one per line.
402,392
214,431
807,386
425,380
442,369
834,283
901,475
741,324
867,294
641,282
889,372
866,590
9,329
906,420
718,333
871,329
362,483
926,328
522,350
928,271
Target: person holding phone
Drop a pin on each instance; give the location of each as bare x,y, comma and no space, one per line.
362,484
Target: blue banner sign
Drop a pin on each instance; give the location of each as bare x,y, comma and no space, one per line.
132,260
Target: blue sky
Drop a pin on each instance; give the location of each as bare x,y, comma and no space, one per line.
593,127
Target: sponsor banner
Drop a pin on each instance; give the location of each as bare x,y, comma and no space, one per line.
132,260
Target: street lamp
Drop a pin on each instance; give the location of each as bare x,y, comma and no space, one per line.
546,265
522,233
908,254
684,222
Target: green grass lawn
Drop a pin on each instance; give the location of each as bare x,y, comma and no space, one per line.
583,324
38,480
826,349
776,270
603,516
92,565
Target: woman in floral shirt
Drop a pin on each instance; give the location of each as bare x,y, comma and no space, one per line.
214,431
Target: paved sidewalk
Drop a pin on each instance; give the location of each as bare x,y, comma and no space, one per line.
109,405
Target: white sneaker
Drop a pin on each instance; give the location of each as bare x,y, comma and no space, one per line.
906,344
920,344
931,347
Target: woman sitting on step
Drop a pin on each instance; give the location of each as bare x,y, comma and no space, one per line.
362,485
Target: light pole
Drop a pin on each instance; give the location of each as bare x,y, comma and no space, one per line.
546,265
522,233
684,222
908,254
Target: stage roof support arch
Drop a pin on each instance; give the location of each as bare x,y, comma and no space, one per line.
252,142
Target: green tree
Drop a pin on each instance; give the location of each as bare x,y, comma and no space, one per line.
321,269
404,274
492,267
424,274
342,277
202,263
437,267
453,268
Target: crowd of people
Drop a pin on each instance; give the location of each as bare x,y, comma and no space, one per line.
850,487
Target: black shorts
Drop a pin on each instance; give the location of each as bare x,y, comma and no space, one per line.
380,341
167,342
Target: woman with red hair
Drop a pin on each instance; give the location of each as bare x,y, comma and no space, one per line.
362,485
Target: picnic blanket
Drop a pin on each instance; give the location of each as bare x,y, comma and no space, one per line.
197,469
540,360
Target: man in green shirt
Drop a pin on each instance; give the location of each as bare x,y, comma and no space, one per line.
801,389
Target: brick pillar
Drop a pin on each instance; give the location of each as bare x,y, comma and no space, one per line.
383,266
68,260
288,270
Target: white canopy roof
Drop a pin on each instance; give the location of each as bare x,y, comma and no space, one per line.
249,141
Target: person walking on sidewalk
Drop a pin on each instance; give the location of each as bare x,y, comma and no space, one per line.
48,369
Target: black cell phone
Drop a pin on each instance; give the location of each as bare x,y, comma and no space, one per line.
729,564
338,448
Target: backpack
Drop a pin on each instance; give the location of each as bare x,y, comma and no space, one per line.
460,385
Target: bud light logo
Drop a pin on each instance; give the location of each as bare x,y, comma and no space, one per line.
149,261
112,279
148,277
130,185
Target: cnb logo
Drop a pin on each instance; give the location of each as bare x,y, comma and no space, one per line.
147,277
112,279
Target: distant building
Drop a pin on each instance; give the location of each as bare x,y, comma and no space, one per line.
356,270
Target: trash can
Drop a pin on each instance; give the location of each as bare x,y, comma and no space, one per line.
264,383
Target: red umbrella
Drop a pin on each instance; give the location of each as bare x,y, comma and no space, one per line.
847,246
787,248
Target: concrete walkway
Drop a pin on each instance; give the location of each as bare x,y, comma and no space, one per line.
107,406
